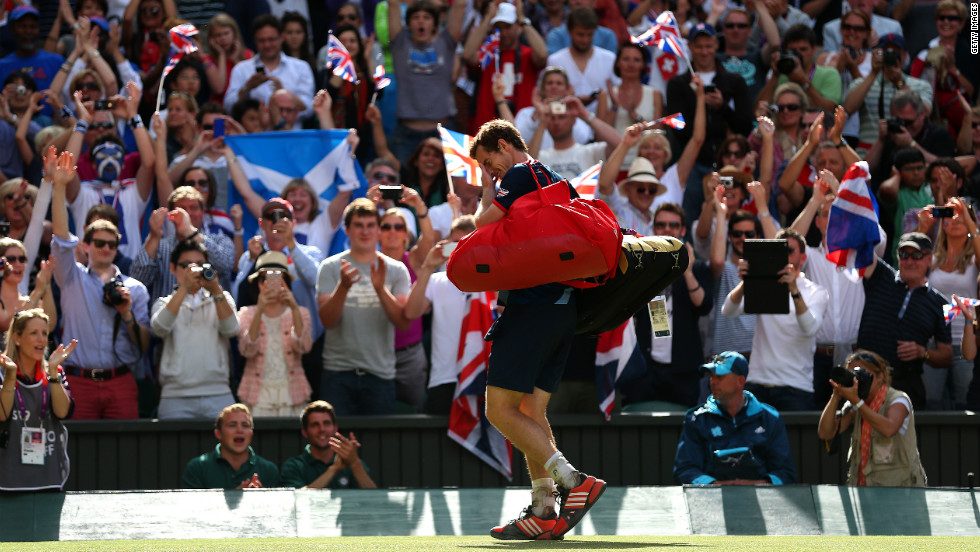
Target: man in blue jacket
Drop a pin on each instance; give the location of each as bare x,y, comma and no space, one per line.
733,439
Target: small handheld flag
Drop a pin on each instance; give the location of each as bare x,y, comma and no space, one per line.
339,60
489,50
181,44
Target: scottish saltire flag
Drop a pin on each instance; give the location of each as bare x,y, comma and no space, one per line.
586,183
489,50
468,424
852,227
339,60
180,45
617,358
456,149
272,159
675,121
952,309
380,80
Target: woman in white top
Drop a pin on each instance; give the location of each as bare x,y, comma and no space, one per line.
632,101
955,267
853,60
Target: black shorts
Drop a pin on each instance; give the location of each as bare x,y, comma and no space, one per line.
530,347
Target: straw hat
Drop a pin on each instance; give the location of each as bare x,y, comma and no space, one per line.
641,170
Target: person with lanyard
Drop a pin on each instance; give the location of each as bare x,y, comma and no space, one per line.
33,441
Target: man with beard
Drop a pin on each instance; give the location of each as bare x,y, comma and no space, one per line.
330,459
27,57
589,68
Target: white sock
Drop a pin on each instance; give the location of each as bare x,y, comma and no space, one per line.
542,499
562,471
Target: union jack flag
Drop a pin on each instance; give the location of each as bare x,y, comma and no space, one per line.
456,149
671,45
489,50
648,38
180,45
668,24
380,80
952,309
585,183
852,227
617,359
675,121
468,424
339,60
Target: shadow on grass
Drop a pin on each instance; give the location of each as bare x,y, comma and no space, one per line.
581,545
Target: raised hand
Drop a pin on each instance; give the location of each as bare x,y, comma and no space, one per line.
43,279
59,355
64,170
349,275
379,271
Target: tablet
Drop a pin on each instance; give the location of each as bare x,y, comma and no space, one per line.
763,292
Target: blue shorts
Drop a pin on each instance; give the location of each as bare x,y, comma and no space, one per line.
530,347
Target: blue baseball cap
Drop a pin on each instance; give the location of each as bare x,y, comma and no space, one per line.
21,11
728,362
701,29
892,39
101,22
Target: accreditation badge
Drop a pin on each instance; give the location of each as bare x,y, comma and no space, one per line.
658,316
32,446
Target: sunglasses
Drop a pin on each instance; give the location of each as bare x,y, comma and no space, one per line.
652,190
384,176
11,197
748,234
102,243
86,86
201,183
853,28
153,10
22,259
105,125
948,18
975,124
387,226
914,255
737,25
788,107
188,264
663,224
734,153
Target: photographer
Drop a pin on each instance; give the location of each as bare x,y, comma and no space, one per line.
194,364
883,453
907,127
870,96
107,310
795,63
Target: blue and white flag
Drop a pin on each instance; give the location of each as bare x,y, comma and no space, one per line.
272,159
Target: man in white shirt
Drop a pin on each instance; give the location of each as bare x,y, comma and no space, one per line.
588,67
195,323
569,158
781,365
270,70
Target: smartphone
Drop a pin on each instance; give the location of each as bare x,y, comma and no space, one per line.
447,248
942,212
558,108
709,88
274,277
104,105
260,69
219,128
391,192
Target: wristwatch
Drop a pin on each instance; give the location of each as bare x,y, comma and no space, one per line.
525,21
806,86
842,143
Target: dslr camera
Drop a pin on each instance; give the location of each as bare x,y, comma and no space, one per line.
844,377
207,271
895,125
787,61
890,58
111,296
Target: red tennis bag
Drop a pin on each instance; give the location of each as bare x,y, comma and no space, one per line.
545,237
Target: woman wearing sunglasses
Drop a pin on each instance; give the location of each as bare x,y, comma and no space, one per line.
940,63
883,450
791,103
410,361
13,265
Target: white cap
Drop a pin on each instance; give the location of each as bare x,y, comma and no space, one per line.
506,13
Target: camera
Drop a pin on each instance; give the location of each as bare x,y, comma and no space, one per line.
4,228
845,378
391,192
895,125
942,212
21,90
558,108
111,296
787,62
447,248
727,181
104,105
890,58
207,271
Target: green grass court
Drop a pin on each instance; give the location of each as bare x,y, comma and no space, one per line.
476,543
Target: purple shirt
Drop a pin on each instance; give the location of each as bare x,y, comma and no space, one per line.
413,334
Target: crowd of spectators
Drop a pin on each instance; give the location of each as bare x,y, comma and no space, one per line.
140,255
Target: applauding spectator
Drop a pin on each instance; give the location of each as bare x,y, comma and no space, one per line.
330,460
232,464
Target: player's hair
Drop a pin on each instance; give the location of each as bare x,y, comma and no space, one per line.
492,132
